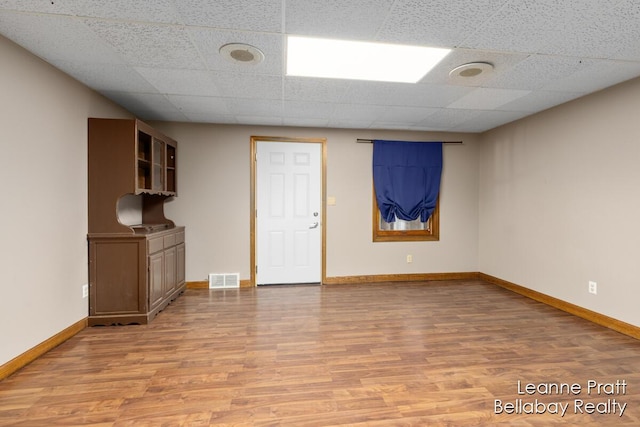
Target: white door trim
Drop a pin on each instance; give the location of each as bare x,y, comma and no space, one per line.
253,201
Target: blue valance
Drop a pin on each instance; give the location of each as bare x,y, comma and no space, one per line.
406,178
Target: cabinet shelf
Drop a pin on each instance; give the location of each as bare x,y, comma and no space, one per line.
171,156
144,174
171,179
144,146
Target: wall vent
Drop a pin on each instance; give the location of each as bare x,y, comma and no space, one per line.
224,281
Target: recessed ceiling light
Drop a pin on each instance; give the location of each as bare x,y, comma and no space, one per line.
325,58
471,69
241,53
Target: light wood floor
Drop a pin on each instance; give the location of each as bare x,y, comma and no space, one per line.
419,354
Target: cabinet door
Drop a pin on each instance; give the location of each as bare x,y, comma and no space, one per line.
171,178
180,255
143,167
115,273
169,271
156,279
158,165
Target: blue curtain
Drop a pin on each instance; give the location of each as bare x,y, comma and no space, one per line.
406,178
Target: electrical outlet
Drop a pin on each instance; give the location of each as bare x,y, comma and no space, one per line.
409,259
85,290
593,287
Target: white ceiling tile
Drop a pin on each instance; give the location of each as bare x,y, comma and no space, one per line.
365,114
406,115
587,29
209,41
487,98
254,15
380,124
54,7
537,71
255,107
486,120
300,122
106,77
130,10
519,26
183,82
201,116
260,120
146,104
319,90
578,28
438,23
308,110
438,128
539,100
378,93
249,86
501,63
438,96
336,19
597,75
446,119
149,45
404,94
624,18
200,105
347,123
55,37
628,50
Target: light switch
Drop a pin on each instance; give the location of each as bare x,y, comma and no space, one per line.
331,201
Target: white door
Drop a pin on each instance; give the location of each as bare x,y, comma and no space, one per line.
289,212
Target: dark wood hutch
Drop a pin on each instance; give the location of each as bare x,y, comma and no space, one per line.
136,254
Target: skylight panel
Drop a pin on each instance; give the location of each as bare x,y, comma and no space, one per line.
356,60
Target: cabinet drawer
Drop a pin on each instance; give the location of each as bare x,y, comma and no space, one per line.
169,240
156,244
179,237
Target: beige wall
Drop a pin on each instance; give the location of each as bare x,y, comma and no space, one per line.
559,202
214,200
43,256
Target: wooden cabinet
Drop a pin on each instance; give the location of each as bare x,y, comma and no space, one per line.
132,278
136,254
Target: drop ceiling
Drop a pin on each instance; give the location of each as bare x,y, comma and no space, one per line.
160,59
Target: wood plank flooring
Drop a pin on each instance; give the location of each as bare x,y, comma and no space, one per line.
401,354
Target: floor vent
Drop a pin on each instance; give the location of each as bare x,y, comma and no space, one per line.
224,281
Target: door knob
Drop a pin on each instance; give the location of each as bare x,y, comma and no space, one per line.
314,225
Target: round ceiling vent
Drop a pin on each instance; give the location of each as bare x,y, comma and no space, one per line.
241,53
471,69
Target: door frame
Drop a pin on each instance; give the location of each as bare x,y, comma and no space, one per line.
253,197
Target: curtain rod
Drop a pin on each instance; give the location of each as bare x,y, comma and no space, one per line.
370,141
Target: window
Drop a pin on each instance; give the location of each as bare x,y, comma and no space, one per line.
406,181
405,231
